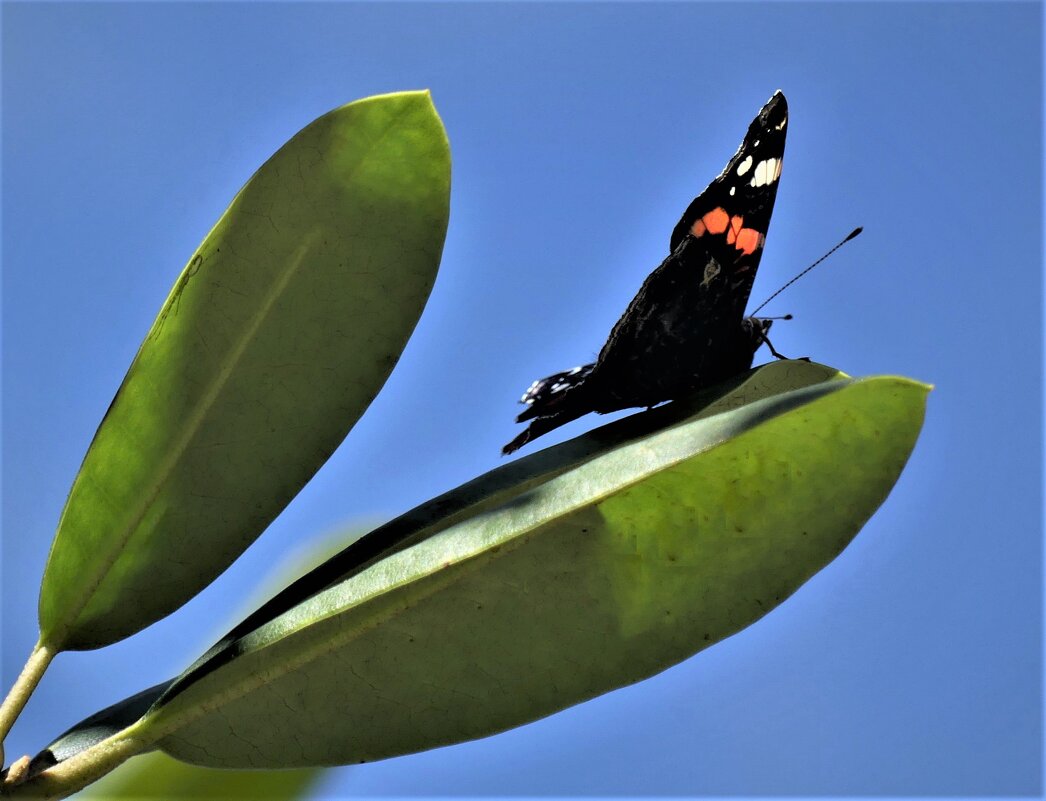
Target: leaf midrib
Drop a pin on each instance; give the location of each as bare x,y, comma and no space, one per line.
112,554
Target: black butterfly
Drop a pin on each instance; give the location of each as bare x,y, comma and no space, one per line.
686,328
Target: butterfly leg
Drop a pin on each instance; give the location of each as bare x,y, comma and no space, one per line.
776,355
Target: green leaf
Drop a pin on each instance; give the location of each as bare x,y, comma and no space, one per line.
499,486
160,777
471,499
275,338
605,568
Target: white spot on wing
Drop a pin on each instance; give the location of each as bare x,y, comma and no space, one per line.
759,178
744,166
766,172
733,189
528,396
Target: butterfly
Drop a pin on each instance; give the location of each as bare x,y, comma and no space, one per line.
686,328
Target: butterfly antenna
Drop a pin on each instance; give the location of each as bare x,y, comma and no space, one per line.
849,236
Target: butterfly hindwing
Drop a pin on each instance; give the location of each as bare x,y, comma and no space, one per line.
546,394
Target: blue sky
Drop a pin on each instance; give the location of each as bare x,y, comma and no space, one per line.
579,132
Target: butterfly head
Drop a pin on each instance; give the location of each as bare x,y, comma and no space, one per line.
754,331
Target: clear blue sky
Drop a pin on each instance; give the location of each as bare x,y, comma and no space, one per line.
911,665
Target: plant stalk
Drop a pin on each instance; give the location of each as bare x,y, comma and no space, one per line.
23,687
75,773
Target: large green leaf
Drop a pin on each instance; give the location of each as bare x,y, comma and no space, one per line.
500,486
597,573
275,338
469,500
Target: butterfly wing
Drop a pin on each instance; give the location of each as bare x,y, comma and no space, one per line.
683,329
747,186
547,395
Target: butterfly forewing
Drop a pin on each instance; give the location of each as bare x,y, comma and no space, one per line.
747,186
684,329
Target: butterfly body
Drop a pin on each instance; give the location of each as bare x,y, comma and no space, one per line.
685,329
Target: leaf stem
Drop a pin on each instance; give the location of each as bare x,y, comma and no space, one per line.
23,687
75,773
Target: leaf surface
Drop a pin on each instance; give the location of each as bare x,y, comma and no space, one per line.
620,554
280,331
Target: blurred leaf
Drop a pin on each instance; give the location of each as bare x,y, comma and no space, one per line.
605,567
279,332
158,776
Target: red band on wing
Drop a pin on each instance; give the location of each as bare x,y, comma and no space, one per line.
717,221
714,222
748,239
